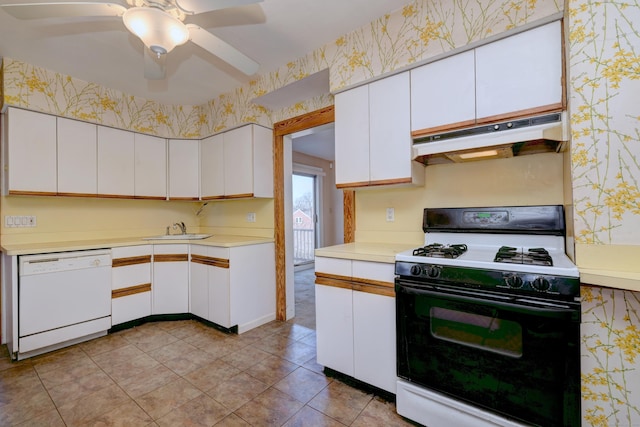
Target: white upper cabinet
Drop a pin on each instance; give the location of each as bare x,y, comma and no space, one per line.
150,167
443,93
513,77
373,135
237,164
77,158
212,167
352,137
520,73
115,162
31,156
184,169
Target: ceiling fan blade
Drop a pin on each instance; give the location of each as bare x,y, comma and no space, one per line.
154,66
202,6
65,9
222,50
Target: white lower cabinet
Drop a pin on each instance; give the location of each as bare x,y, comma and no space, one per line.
234,286
355,320
170,279
131,283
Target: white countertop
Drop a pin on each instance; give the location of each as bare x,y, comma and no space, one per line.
377,252
227,241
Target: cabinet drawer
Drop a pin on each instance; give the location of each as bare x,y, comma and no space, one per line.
375,271
334,266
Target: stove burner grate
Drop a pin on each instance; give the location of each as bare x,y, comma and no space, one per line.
438,250
533,256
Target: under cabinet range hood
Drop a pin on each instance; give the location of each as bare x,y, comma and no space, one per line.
517,137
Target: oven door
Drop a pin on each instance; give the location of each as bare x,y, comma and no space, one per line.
514,356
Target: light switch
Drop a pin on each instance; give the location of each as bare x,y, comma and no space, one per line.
251,217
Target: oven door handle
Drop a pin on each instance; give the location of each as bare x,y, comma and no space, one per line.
557,311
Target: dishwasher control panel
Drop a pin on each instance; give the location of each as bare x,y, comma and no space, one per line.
63,261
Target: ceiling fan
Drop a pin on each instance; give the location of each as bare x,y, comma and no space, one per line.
158,23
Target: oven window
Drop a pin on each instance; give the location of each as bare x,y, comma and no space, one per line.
474,330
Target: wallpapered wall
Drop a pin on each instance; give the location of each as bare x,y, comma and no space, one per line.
605,122
604,88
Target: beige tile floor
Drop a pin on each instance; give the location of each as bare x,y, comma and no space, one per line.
184,373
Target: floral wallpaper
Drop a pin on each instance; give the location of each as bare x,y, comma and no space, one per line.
605,120
604,86
610,355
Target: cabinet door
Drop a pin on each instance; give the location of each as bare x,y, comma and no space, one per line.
150,167
184,169
219,296
199,290
334,328
31,152
374,334
262,161
519,73
352,137
390,133
212,167
116,163
77,157
170,279
238,162
443,93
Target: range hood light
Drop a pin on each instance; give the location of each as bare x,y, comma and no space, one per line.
475,155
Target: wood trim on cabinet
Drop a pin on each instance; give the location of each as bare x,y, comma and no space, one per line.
344,284
185,198
378,290
352,185
321,275
30,193
239,196
371,282
212,261
131,290
356,284
170,257
134,260
115,196
213,198
76,194
280,129
395,181
150,197
349,208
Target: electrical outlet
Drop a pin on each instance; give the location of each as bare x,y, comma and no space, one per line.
391,214
251,217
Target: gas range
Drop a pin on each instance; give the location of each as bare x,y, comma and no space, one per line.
514,250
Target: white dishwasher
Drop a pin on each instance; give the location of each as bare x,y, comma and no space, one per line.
63,298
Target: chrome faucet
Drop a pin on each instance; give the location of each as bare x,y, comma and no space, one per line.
183,228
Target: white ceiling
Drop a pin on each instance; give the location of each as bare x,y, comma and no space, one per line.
102,51
316,142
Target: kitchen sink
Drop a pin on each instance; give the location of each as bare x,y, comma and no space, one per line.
188,236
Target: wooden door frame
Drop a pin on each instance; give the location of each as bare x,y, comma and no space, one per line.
280,129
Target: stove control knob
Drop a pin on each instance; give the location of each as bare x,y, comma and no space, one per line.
514,281
433,271
541,284
416,270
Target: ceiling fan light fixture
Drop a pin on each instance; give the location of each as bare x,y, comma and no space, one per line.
157,29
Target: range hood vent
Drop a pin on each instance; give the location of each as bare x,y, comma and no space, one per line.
532,135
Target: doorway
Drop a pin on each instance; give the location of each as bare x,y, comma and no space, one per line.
306,218
282,159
